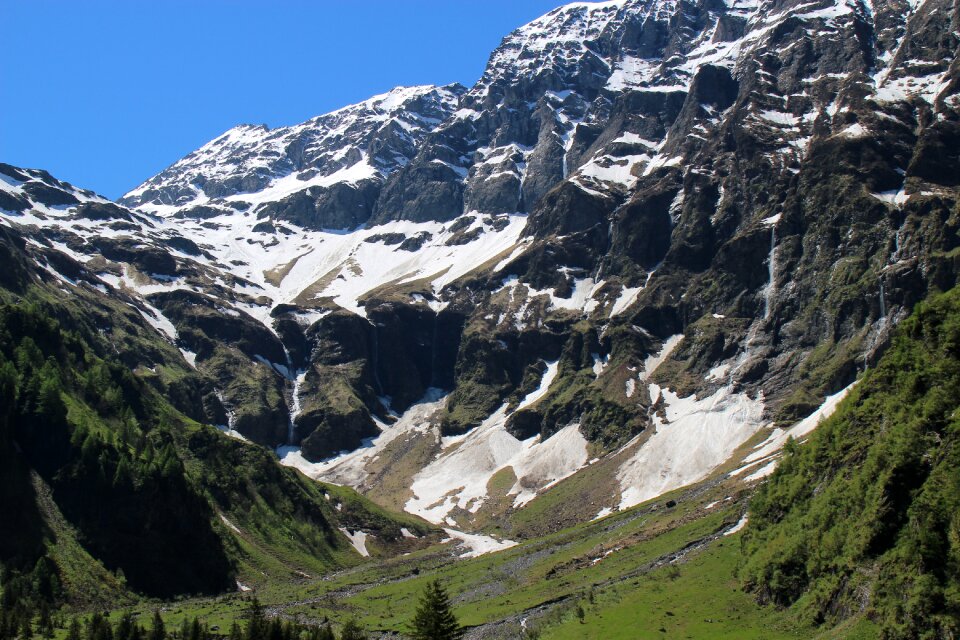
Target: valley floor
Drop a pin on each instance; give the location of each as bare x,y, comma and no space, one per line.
650,572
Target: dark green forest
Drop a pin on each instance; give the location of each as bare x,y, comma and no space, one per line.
864,517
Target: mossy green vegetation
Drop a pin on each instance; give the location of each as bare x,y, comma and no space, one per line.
111,494
865,516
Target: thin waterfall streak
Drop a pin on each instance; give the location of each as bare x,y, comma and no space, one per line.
771,288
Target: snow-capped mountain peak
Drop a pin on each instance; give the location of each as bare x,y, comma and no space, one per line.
252,164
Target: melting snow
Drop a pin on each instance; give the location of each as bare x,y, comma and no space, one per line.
603,513
653,361
779,437
763,472
477,544
599,363
227,522
350,468
626,298
698,436
459,476
190,357
358,539
894,197
737,527
541,390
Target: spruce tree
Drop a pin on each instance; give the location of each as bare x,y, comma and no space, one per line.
352,631
257,626
434,619
73,633
324,633
158,631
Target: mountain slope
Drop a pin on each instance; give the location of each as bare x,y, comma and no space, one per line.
864,516
324,173
105,481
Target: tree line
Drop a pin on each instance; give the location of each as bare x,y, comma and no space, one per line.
433,620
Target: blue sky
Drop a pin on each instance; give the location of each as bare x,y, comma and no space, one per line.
105,94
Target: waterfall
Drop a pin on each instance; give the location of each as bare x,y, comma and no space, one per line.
295,377
771,288
295,407
883,301
231,416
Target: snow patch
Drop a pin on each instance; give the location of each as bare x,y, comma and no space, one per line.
603,513
458,477
477,544
763,472
653,361
350,468
737,527
697,437
229,524
358,539
779,437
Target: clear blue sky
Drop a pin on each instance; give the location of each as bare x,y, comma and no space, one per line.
105,94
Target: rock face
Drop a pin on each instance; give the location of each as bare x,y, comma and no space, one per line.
774,181
324,173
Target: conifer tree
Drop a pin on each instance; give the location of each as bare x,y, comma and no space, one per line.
158,630
73,633
352,631
324,633
256,621
434,619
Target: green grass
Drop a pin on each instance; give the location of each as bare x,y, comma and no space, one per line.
698,599
864,515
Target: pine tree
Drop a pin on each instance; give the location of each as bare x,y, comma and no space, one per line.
235,633
256,621
126,628
158,631
73,633
26,630
352,631
434,619
196,630
44,622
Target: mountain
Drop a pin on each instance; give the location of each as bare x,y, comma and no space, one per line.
104,480
656,239
324,173
771,182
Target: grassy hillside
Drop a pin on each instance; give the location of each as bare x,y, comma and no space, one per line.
865,516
